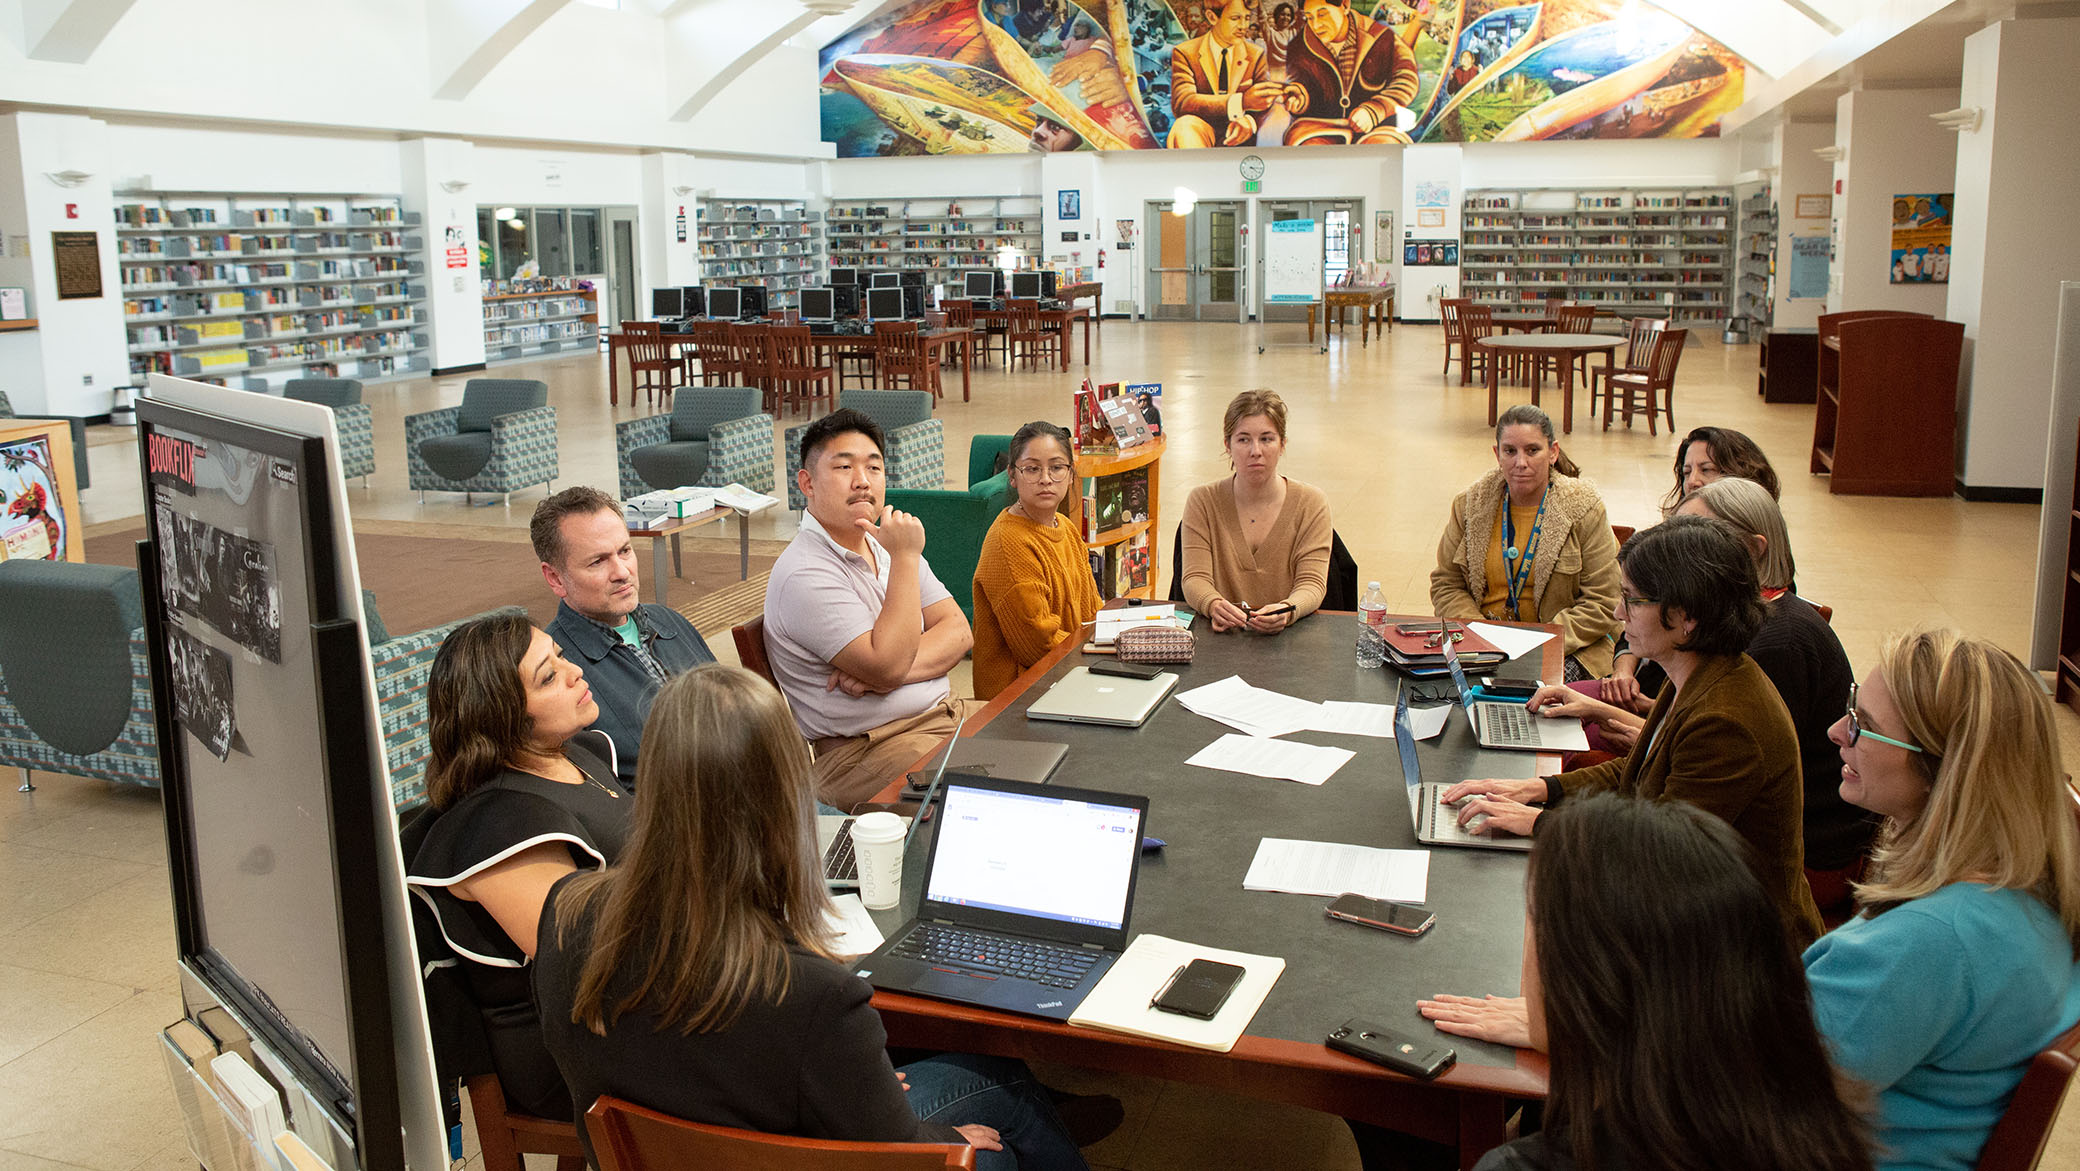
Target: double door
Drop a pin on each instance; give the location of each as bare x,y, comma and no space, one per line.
1338,219
1195,261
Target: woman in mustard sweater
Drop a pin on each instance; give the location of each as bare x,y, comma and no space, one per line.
1033,584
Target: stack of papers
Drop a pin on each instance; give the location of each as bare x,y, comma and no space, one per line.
857,934
1327,868
1262,757
1120,1001
1252,711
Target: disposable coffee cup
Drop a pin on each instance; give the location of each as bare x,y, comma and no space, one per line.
877,840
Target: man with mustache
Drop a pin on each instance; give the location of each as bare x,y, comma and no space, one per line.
1345,76
859,633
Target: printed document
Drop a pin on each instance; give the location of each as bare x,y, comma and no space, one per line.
1261,757
1376,719
1327,868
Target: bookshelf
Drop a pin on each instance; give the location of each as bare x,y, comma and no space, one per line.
1628,250
943,237
777,243
266,288
1755,262
526,317
1885,419
1129,540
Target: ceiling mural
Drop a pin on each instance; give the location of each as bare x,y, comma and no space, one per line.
993,76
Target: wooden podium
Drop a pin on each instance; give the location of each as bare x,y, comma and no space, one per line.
1885,420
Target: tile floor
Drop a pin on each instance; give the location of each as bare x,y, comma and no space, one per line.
86,940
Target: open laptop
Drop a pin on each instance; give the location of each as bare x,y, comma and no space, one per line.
1509,725
1437,824
834,830
1027,893
1115,700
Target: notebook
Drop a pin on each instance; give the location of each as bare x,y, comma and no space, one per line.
1027,891
1437,824
1511,725
1083,698
834,830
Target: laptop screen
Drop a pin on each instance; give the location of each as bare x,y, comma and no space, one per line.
1405,742
1052,857
1451,660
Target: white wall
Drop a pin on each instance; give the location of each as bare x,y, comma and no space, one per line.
2016,175
1892,149
80,342
1799,172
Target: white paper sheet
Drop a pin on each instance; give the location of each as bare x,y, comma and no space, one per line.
1429,721
1120,1001
857,934
1250,710
1329,868
1356,719
1510,640
1262,757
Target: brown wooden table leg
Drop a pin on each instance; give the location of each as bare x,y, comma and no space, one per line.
613,374
1566,392
1494,389
1310,325
967,348
1088,324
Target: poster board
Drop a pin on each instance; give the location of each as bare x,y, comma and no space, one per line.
1293,262
39,491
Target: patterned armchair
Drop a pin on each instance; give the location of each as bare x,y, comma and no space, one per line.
357,430
75,689
713,436
916,456
502,437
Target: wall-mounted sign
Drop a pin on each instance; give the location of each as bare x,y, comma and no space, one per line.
1069,205
77,260
1812,207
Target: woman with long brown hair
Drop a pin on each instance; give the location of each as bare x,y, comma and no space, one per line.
696,976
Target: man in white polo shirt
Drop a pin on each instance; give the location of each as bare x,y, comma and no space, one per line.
859,632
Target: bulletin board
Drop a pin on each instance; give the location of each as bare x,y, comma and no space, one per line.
1293,262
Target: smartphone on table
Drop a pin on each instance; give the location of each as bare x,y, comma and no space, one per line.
1400,918
1198,989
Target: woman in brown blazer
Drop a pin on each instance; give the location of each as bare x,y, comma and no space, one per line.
1718,736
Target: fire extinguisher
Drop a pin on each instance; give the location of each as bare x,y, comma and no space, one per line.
1101,258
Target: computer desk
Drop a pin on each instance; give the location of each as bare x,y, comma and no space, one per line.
1192,891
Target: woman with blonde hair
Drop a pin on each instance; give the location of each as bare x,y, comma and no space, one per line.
697,975
1960,966
1255,545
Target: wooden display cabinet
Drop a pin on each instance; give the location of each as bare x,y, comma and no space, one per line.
1787,364
1885,419
1098,467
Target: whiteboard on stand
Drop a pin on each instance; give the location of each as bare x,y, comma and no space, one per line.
1293,262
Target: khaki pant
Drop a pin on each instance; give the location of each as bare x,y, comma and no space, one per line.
850,770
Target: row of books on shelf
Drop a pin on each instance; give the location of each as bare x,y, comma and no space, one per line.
548,331
516,286
529,310
1122,568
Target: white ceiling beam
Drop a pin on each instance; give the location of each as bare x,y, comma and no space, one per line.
1771,35
68,30
468,38
1888,19
707,55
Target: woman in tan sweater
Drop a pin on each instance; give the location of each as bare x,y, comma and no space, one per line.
1033,584
1256,545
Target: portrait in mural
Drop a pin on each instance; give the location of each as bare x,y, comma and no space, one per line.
995,76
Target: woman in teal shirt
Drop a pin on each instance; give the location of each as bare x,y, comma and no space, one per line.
1961,965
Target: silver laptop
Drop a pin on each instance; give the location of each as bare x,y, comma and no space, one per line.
1033,761
1116,700
1437,824
1511,725
834,830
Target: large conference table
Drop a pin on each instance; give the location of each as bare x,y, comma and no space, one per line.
1192,891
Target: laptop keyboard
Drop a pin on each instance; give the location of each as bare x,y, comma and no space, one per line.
991,956
840,864
1509,724
1444,819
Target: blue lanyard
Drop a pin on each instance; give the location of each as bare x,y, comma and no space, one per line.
1517,566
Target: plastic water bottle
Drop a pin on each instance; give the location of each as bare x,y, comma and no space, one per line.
1372,627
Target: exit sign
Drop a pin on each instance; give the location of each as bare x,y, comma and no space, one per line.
1252,186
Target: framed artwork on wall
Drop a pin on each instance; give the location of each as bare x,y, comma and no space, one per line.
1069,205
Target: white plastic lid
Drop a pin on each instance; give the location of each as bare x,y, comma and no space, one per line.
1371,585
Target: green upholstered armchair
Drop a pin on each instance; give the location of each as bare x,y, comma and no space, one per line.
956,519
713,436
502,437
357,430
75,684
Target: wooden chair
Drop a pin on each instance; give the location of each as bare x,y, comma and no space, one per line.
628,1137
504,1135
1567,319
751,350
796,376
1652,390
1639,352
1476,323
1030,337
1452,308
961,315
1623,533
651,367
751,649
903,365
712,349
2019,1138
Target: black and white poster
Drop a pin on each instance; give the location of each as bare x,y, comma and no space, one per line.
202,699
224,579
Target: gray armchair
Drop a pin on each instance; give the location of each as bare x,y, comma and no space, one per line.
357,431
916,455
75,685
713,436
502,437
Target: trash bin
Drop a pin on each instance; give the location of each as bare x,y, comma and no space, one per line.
1736,331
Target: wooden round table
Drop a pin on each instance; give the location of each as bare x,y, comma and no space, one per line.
1566,346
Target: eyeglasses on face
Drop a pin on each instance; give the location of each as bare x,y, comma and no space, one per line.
1857,731
1045,472
1630,600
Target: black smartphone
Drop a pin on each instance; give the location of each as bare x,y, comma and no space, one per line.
1129,670
1397,917
1423,1059
1511,686
1198,989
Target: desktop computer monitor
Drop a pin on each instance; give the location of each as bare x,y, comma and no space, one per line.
885,280
725,303
818,305
913,278
885,304
980,283
913,300
844,276
1025,285
845,301
1050,283
666,303
693,301
753,302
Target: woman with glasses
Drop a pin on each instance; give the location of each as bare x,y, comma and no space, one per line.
1718,736
1033,585
1530,542
1960,966
1255,546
